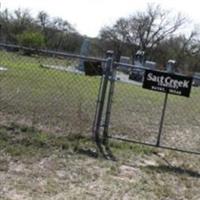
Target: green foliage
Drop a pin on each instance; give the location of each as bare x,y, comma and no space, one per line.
31,39
19,27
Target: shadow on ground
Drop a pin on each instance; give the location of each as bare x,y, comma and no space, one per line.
174,170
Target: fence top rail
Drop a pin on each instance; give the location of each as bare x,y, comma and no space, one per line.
130,66
76,56
51,52
196,77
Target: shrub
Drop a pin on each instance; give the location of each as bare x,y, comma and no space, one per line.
31,39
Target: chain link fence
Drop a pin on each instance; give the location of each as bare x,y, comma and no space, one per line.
47,90
137,112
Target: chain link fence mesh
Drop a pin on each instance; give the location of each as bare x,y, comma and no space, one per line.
46,90
136,115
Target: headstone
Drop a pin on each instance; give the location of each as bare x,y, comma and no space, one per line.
124,60
139,58
150,64
196,79
85,49
135,73
171,66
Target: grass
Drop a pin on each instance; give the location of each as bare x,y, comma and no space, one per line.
48,96
18,140
45,147
39,165
65,102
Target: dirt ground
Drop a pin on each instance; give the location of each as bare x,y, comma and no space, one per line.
57,167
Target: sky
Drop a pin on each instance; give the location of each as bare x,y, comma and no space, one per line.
89,16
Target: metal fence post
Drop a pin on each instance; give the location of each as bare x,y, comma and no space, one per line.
162,120
170,69
109,104
101,103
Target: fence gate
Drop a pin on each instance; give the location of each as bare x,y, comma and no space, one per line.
130,113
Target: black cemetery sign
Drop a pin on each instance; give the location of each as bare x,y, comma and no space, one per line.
167,82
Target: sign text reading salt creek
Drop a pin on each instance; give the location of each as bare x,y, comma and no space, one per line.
168,83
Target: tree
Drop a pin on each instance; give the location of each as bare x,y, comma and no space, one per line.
144,30
115,37
149,28
5,25
14,24
21,21
43,20
184,49
63,25
59,34
19,27
61,31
